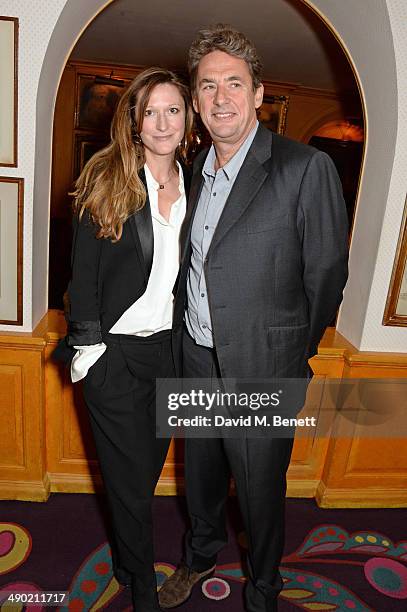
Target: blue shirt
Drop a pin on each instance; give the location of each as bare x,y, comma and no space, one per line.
215,192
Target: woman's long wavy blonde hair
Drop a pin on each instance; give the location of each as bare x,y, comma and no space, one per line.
109,187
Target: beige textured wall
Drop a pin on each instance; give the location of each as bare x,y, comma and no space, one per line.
49,30
37,18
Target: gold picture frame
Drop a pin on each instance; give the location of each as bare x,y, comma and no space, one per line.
395,312
8,90
11,250
97,98
273,113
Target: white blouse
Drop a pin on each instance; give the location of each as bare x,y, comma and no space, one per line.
153,311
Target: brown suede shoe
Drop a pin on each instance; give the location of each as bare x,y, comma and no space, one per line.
177,588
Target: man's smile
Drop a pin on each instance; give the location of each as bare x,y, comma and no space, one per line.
223,115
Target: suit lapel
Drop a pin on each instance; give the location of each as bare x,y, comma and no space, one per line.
250,178
194,193
187,174
141,226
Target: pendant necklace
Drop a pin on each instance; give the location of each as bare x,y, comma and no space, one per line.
162,185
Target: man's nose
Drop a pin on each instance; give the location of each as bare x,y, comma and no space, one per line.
220,95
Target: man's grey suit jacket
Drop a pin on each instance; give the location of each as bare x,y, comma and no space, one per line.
277,264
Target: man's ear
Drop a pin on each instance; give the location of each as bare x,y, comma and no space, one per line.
195,103
258,96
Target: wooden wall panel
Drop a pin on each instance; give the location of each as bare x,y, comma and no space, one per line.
48,446
75,420
22,449
309,453
172,477
361,470
71,456
11,416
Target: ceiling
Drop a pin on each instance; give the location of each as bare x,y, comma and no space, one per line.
295,45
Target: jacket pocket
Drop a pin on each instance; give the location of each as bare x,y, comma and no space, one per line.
289,337
268,224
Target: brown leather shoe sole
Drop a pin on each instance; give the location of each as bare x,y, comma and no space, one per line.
178,587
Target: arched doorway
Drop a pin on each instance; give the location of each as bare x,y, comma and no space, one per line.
97,73
73,20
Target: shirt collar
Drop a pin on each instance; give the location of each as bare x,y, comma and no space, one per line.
233,166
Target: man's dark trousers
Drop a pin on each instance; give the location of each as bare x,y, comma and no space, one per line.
258,467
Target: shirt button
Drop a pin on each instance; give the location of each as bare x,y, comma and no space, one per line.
203,326
202,295
206,227
214,194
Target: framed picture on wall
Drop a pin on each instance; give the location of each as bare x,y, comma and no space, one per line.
86,145
11,250
273,113
395,312
97,100
8,90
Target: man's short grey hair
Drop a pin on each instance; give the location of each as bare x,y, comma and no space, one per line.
223,37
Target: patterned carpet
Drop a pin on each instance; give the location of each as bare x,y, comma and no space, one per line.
334,559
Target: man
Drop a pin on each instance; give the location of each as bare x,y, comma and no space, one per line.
264,263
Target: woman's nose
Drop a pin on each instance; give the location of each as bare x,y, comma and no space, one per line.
162,122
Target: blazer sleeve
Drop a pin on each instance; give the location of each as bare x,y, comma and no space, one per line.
84,308
323,225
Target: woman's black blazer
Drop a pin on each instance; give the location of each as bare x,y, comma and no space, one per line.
108,277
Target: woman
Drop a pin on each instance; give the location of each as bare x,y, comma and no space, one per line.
130,203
